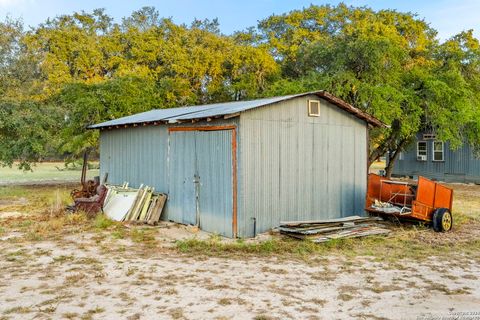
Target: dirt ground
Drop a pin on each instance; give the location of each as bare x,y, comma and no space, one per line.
65,267
80,278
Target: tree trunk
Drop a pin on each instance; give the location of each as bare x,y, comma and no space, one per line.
390,164
393,157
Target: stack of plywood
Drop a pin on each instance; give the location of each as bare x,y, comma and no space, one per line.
128,204
324,230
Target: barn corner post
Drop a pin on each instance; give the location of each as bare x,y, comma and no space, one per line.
367,142
235,181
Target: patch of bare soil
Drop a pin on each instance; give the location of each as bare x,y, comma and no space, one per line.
89,276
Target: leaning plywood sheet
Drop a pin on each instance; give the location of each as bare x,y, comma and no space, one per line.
119,204
135,205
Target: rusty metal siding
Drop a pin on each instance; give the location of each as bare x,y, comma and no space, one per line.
295,167
460,165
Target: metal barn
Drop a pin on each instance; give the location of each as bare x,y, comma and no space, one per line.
232,167
434,159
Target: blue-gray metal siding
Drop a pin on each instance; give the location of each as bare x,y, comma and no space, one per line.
295,167
290,166
460,165
215,175
136,155
149,155
181,178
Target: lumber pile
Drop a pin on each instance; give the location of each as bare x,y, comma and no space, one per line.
325,230
129,204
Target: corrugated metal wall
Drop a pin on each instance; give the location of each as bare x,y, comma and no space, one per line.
150,155
215,175
182,205
459,166
290,166
295,167
136,155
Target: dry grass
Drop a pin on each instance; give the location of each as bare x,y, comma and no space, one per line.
101,267
45,219
407,241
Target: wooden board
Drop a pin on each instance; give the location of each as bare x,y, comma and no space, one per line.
157,210
146,204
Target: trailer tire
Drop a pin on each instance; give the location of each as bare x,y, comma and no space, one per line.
442,220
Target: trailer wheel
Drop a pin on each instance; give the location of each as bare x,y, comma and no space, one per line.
442,220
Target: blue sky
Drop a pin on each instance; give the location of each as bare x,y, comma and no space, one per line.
447,16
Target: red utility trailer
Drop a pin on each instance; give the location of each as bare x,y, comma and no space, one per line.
424,200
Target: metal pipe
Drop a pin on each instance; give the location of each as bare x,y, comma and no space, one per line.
254,227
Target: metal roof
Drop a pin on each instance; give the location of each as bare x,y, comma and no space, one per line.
174,115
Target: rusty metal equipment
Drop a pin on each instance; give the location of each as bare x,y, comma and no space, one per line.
89,187
425,200
93,204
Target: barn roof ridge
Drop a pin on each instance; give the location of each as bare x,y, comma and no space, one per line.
175,115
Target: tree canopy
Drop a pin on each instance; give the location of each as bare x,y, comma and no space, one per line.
387,63
75,70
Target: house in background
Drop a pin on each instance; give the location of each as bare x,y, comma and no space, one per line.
232,167
434,159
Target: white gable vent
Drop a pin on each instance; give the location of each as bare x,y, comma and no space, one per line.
314,108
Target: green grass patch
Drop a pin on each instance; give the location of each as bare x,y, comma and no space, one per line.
101,221
143,236
118,234
46,171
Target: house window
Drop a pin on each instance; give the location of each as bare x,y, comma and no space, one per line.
438,151
422,150
313,108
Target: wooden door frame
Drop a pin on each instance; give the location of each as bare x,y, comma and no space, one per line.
234,162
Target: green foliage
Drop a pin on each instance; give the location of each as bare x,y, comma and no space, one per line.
387,63
76,70
27,132
82,69
85,104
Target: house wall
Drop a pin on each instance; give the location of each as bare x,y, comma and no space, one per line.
296,167
459,166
